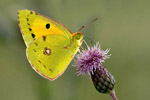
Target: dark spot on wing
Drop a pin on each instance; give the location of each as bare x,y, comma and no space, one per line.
27,19
33,35
50,70
48,26
66,47
34,50
31,12
39,61
30,29
36,44
44,38
44,66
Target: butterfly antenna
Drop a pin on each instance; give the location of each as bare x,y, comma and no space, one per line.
87,24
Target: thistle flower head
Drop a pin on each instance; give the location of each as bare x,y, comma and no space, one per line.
91,59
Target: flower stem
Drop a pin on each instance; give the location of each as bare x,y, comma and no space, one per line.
113,95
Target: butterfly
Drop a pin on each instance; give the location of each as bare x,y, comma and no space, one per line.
50,45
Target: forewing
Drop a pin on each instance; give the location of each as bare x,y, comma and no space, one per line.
34,25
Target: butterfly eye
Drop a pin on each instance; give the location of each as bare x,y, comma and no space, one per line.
77,36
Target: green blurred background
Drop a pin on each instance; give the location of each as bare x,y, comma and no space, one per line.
124,26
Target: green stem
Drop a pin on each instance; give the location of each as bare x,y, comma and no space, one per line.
113,95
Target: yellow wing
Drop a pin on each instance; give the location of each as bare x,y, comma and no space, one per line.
50,55
34,25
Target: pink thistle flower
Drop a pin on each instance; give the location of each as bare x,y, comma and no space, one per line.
91,59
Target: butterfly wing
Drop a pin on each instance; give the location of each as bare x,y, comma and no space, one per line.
50,55
34,25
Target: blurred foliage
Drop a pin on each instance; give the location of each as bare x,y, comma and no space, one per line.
123,27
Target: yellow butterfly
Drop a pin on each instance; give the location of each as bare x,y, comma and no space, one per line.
50,45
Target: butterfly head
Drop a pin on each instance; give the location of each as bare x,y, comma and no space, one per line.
77,36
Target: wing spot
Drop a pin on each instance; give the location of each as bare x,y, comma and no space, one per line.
48,26
50,70
28,24
66,47
44,66
44,38
30,29
39,61
27,19
36,44
33,35
31,12
34,50
47,51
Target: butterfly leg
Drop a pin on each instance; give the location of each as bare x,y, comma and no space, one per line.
85,43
